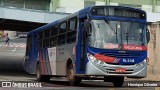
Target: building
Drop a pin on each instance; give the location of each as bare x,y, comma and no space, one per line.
72,5
69,5
26,4
152,7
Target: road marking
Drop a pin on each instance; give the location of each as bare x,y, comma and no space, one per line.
14,49
22,45
17,46
13,45
111,89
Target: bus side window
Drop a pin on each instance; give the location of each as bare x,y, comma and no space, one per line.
54,33
63,27
46,43
53,41
46,33
72,31
40,44
72,24
54,30
71,37
61,39
46,36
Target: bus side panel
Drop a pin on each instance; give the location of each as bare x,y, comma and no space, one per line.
27,62
34,54
31,58
47,67
44,62
64,52
52,59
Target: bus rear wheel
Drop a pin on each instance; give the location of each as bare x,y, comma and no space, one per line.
40,77
73,80
118,81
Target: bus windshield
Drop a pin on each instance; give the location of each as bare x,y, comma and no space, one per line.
113,34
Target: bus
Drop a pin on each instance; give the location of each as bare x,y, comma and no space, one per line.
98,42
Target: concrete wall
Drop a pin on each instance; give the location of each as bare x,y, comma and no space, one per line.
153,67
154,52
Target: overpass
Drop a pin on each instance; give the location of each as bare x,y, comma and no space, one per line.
25,20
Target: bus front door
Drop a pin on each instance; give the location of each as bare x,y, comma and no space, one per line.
83,57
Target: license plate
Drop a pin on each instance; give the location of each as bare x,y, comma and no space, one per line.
120,70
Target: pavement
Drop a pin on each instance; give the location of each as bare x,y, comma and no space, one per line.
12,55
14,43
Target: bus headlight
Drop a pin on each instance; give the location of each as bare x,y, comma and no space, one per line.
94,60
142,63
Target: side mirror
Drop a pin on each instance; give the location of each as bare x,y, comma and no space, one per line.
86,29
148,35
86,23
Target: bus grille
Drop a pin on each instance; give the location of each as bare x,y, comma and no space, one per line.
121,55
120,64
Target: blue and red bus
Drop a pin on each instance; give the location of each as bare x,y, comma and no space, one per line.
98,42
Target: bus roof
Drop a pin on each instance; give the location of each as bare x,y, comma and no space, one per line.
83,11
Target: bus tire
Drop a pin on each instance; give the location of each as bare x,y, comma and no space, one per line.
40,77
73,79
76,81
118,81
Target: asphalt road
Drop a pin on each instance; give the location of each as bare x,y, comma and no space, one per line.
61,84
11,56
11,70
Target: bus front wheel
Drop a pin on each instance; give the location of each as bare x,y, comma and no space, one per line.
118,81
40,77
73,79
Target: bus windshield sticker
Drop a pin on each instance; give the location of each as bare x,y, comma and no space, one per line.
110,46
133,47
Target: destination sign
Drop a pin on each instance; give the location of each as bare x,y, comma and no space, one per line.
117,12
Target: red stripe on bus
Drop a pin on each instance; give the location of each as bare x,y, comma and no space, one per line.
41,63
104,58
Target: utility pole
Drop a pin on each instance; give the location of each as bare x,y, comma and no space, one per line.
107,2
53,5
153,5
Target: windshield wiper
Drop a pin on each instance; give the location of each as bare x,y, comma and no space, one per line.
114,30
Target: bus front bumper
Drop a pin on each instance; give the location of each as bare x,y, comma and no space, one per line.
133,71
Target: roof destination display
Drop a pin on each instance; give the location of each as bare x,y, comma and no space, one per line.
121,12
